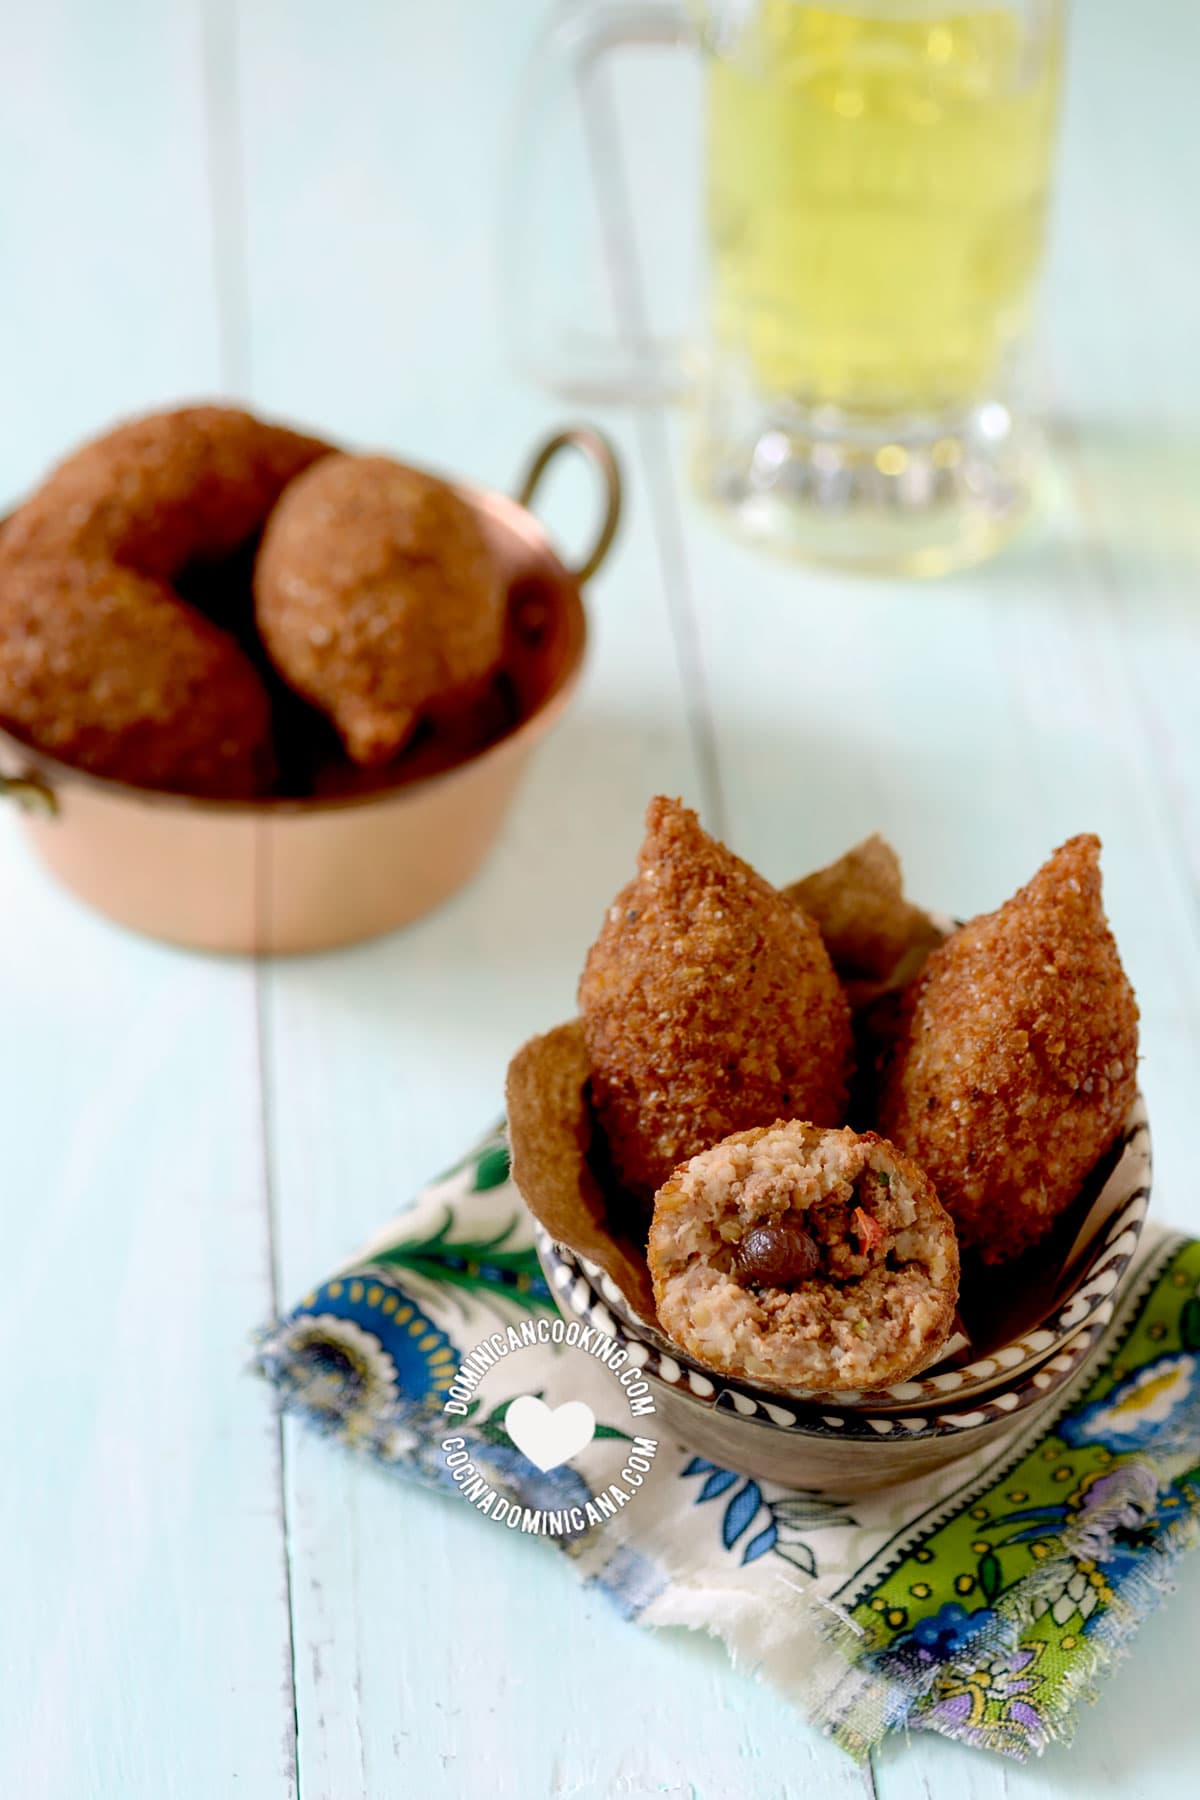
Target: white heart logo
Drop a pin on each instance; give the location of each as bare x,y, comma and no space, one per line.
549,1436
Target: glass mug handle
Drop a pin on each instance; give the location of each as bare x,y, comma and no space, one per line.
624,363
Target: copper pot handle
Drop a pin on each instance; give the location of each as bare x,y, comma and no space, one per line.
30,793
600,453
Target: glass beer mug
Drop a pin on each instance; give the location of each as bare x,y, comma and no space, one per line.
875,189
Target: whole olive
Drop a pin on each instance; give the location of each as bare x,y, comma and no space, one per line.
776,1255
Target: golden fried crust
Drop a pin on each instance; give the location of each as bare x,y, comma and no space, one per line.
101,662
112,672
709,1004
1015,1058
378,598
162,491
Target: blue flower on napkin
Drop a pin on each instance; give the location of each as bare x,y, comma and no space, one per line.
358,1350
1158,1403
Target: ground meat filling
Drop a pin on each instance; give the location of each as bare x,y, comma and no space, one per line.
837,1240
802,1258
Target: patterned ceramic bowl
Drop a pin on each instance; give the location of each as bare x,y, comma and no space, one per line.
1058,1290
850,1442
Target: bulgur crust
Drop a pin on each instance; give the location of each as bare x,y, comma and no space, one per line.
709,1004
101,662
1014,1060
378,599
162,490
127,681
877,1308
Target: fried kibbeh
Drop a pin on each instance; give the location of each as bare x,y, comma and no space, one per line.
709,1004
161,491
102,662
1014,1058
378,599
799,1259
128,682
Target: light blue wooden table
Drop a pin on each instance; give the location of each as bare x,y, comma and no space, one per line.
294,202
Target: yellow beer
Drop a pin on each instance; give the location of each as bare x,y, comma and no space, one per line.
876,196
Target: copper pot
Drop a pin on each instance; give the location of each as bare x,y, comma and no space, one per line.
282,875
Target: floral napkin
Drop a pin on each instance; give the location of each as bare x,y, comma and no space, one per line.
982,1602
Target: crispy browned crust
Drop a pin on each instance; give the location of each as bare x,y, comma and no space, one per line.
163,490
550,1131
1014,1060
101,662
126,681
709,1004
378,598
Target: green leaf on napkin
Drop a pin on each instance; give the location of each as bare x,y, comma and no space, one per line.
991,1580
481,1265
1189,1324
